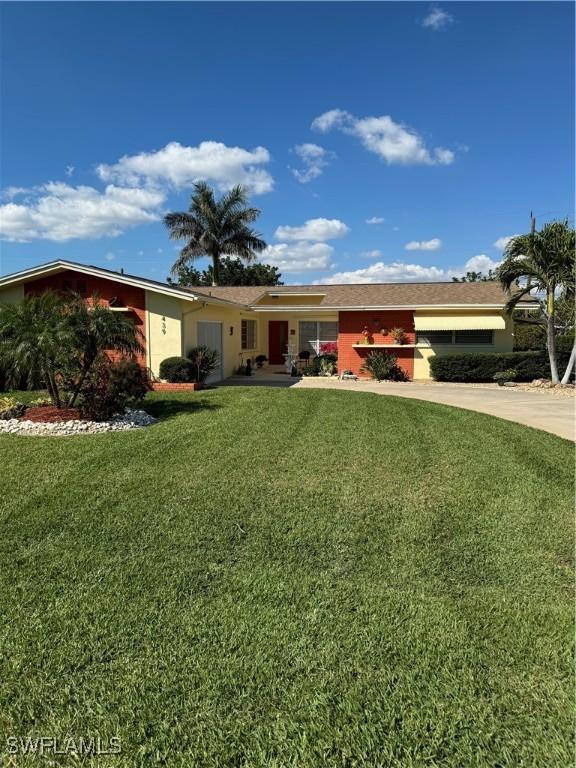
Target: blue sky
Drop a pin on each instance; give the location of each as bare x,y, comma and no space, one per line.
382,141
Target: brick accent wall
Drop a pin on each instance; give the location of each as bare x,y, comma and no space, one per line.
350,327
166,386
86,285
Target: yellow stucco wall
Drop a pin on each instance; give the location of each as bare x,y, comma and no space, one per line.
230,318
163,328
11,294
503,342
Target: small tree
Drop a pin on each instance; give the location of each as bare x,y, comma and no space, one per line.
232,272
542,263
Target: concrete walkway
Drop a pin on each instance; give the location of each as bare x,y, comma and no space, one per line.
552,413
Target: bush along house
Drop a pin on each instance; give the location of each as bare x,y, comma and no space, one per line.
414,321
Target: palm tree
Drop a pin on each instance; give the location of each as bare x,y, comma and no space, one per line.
97,329
215,228
542,263
33,341
59,338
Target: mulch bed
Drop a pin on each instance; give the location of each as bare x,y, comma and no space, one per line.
50,413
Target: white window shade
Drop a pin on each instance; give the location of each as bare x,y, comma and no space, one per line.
443,322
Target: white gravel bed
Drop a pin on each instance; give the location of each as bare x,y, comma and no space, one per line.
130,419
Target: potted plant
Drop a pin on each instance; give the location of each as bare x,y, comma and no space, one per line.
260,360
384,331
398,335
366,335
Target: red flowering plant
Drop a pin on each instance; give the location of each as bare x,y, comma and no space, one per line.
329,348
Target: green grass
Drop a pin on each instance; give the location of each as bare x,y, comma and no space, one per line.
292,579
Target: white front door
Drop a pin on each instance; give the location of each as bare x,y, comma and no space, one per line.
210,335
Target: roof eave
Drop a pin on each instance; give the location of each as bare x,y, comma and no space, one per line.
54,267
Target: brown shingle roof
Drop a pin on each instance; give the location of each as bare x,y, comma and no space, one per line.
372,294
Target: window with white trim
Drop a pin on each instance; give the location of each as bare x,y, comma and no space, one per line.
248,334
312,334
462,338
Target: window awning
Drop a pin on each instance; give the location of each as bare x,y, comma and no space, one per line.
433,321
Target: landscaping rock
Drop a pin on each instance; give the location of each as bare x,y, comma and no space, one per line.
130,419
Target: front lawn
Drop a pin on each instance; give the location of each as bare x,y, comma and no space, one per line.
291,579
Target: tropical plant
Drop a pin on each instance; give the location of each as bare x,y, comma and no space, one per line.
97,329
215,228
542,263
383,366
35,341
231,272
59,339
204,362
398,334
10,408
505,376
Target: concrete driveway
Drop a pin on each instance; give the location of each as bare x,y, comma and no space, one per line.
552,413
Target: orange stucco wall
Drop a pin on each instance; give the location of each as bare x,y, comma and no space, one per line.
350,327
86,285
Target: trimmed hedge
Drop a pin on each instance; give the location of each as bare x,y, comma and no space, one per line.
177,370
481,367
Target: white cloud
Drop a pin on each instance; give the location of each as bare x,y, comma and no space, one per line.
298,257
393,142
110,256
375,220
375,254
437,18
10,193
314,159
481,263
69,170
400,272
317,230
180,166
502,242
61,212
424,245
396,272
334,118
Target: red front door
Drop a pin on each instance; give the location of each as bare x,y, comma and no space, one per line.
277,341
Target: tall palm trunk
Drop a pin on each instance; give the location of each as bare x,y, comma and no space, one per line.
570,366
551,346
215,268
551,336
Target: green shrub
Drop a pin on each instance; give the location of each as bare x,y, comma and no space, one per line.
10,408
204,362
529,337
321,365
97,400
481,367
503,376
129,381
383,366
177,369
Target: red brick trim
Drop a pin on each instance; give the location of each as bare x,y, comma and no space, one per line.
165,386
